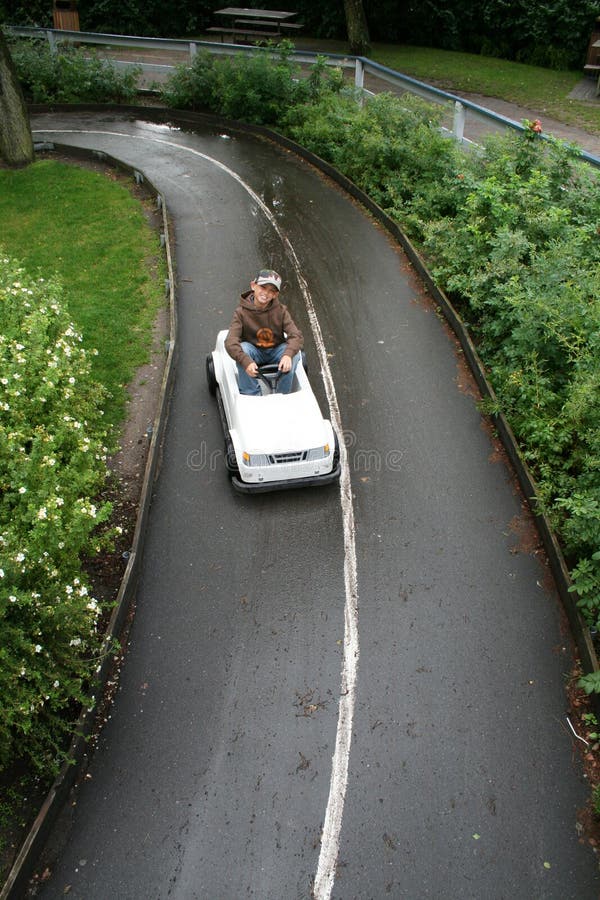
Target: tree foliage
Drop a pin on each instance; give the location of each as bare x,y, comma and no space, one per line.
554,33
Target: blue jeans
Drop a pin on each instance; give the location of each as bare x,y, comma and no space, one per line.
264,357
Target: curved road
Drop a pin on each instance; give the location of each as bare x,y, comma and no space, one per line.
453,772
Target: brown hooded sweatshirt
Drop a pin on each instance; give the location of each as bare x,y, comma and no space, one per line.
262,327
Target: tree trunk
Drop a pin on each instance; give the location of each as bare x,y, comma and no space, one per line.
358,30
16,144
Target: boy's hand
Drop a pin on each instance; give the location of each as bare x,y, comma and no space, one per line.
285,364
252,370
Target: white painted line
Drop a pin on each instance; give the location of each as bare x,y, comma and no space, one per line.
330,840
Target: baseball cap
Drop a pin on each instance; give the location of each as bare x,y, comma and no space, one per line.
268,276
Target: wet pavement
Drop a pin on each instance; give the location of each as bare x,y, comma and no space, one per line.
213,773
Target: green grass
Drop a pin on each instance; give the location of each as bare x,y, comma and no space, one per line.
90,231
544,91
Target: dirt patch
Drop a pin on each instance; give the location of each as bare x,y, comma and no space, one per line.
143,394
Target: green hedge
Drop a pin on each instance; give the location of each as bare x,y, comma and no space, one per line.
71,75
511,234
256,87
52,466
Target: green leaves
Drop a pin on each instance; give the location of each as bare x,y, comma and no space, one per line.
591,685
71,76
258,87
52,465
511,235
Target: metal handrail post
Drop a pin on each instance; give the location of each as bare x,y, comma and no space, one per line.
359,74
460,115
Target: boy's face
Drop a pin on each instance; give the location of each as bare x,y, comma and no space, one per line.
263,294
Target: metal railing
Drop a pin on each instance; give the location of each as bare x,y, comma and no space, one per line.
465,121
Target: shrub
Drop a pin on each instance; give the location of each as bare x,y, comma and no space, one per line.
520,256
256,87
392,148
52,465
71,75
511,234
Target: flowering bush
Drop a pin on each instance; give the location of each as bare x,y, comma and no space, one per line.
52,465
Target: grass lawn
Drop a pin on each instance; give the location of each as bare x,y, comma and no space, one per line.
544,91
89,230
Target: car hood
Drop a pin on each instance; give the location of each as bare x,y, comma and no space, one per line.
279,423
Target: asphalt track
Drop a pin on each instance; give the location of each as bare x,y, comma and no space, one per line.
213,775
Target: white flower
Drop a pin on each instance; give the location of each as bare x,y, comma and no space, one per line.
1,573
75,642
38,648
22,490
42,513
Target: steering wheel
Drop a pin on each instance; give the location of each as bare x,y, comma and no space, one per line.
270,375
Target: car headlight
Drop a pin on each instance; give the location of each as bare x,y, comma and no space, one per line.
255,459
318,452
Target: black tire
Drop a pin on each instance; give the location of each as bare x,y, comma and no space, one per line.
304,361
336,451
230,458
210,375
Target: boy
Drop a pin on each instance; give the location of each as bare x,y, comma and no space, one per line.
262,331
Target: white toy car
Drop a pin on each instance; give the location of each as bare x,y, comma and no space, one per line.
273,441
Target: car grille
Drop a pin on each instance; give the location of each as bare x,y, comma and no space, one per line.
276,459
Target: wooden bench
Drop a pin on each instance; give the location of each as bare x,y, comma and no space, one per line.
242,32
288,26
257,22
594,70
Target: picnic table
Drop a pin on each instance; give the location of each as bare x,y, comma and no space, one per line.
595,69
254,23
